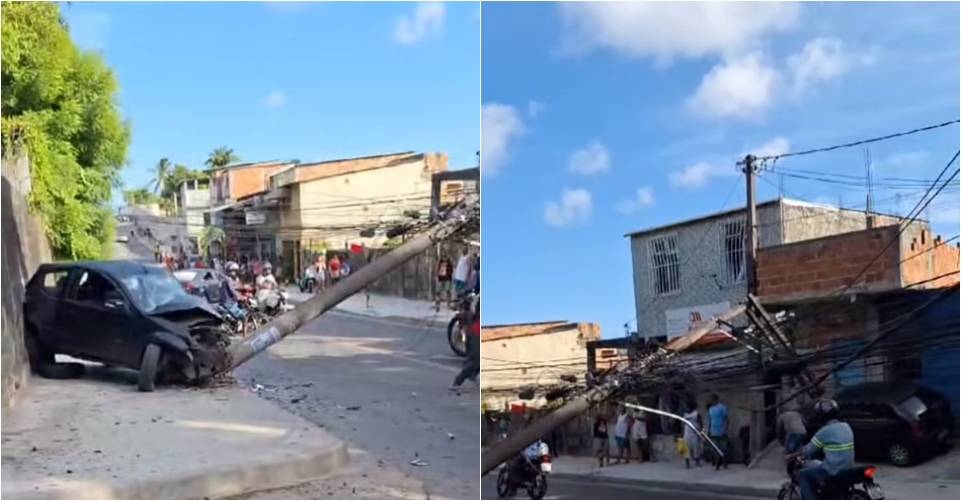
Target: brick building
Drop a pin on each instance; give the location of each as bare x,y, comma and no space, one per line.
695,269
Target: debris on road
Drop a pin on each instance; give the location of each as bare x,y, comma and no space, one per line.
418,462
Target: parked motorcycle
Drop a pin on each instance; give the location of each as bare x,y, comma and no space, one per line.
457,327
856,482
529,470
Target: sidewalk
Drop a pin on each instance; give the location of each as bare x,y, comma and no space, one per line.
98,437
415,311
739,480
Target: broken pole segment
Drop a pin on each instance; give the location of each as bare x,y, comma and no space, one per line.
514,444
288,323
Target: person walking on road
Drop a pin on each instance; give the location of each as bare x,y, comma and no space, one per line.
640,439
602,448
790,425
717,430
622,432
694,449
472,362
461,272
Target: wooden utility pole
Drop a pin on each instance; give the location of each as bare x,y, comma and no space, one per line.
750,237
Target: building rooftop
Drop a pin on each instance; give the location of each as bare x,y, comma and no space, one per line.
248,165
768,203
508,331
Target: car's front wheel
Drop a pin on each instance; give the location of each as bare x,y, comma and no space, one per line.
899,454
148,367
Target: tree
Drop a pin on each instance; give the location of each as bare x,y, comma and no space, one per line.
58,106
221,157
141,196
209,236
176,177
161,171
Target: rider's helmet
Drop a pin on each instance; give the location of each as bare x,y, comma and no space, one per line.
826,409
268,269
233,268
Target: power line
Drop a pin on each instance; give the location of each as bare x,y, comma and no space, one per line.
856,143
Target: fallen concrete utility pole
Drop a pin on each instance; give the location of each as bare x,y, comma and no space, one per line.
289,322
514,444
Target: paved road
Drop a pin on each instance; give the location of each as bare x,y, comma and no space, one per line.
573,488
382,386
133,249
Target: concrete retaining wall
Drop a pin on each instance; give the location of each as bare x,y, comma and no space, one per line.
24,246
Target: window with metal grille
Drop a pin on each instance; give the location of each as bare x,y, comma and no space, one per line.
664,264
732,250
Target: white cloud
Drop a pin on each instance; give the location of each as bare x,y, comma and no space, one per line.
644,197
697,175
501,124
776,146
427,20
575,207
592,159
823,59
741,88
275,99
667,31
535,108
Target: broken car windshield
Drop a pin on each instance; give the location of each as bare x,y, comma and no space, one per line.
151,291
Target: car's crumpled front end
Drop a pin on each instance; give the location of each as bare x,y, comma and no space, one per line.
202,345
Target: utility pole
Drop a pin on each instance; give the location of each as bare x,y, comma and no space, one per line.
288,323
507,448
750,248
869,204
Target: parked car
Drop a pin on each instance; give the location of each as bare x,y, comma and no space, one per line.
902,422
123,238
124,314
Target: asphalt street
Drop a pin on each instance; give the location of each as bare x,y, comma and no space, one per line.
381,385
571,487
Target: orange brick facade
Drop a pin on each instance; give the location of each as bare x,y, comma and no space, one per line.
926,257
827,265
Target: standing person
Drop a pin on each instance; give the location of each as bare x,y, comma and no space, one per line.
310,279
790,424
472,362
621,433
602,448
694,449
461,272
717,429
639,437
320,272
333,269
444,272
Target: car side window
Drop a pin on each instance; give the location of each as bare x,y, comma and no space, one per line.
94,289
55,281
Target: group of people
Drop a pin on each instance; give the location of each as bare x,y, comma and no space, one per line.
630,432
455,280
324,272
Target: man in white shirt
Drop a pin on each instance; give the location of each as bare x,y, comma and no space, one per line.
621,436
461,272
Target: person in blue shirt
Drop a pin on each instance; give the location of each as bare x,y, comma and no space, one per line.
717,429
835,440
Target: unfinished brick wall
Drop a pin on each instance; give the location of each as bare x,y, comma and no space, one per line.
825,265
925,256
246,181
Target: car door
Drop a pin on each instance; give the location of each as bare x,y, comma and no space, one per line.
99,315
44,298
867,425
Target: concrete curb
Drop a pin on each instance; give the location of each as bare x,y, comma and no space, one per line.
438,323
731,490
220,483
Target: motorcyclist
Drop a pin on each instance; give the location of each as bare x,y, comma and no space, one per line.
835,441
267,294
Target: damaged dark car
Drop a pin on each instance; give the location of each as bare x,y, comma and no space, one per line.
122,314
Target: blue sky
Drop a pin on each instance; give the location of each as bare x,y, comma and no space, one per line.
601,119
284,81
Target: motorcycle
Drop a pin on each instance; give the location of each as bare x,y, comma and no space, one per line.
529,470
274,306
456,328
856,482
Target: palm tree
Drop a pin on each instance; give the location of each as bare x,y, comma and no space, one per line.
161,171
209,236
221,157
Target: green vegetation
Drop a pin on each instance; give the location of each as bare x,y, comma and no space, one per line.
207,237
59,105
142,196
221,157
